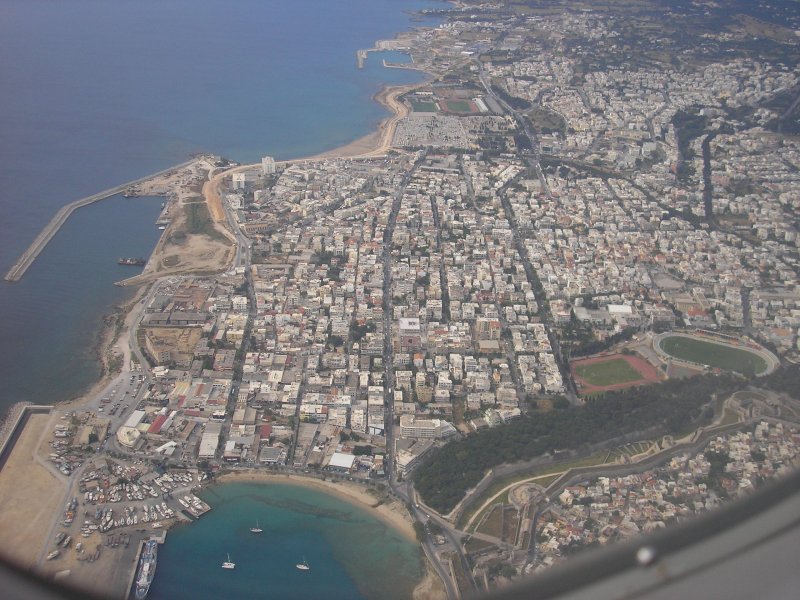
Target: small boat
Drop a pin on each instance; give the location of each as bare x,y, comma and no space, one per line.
256,529
228,564
136,262
303,566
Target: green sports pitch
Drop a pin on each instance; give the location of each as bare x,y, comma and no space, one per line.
423,106
714,355
608,372
459,106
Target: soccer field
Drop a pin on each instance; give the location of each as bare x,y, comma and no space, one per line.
713,355
423,106
609,372
460,106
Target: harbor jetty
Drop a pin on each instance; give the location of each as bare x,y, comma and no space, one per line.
26,259
362,54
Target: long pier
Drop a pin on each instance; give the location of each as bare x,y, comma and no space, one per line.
16,272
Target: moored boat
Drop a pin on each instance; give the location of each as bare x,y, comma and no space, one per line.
147,569
135,262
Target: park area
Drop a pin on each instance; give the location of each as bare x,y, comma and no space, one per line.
713,354
612,372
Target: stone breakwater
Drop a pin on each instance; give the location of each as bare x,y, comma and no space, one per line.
26,259
9,422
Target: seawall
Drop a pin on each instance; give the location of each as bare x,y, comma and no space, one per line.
19,268
16,428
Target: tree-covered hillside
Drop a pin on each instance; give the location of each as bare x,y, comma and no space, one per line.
450,471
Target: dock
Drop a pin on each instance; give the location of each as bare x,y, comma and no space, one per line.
132,579
361,56
396,65
26,259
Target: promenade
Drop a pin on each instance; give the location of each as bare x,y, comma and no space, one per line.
19,268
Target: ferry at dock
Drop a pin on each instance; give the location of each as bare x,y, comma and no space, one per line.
147,569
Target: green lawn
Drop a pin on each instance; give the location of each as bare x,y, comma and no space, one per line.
607,373
461,106
423,106
714,355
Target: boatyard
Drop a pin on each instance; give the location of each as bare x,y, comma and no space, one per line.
95,513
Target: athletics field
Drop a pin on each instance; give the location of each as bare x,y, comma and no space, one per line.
718,354
612,372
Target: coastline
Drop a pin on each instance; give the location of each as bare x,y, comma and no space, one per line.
378,142
112,335
372,145
114,354
392,512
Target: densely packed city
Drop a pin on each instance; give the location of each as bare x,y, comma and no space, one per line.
560,216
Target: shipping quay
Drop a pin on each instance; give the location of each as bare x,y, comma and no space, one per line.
19,268
145,567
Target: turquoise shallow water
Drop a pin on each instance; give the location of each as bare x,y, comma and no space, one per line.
352,554
94,93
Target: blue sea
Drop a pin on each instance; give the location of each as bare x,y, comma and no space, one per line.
352,554
94,93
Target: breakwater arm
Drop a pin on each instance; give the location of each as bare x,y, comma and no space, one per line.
16,272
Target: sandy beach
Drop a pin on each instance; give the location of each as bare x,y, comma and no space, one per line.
391,511
25,525
379,142
374,144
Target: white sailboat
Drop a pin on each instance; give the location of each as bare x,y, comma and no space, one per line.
303,566
257,528
228,564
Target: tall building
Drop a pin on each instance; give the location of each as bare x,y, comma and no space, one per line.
412,427
268,165
408,336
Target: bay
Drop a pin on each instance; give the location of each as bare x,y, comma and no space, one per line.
352,554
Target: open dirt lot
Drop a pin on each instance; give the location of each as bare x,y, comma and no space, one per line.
30,496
